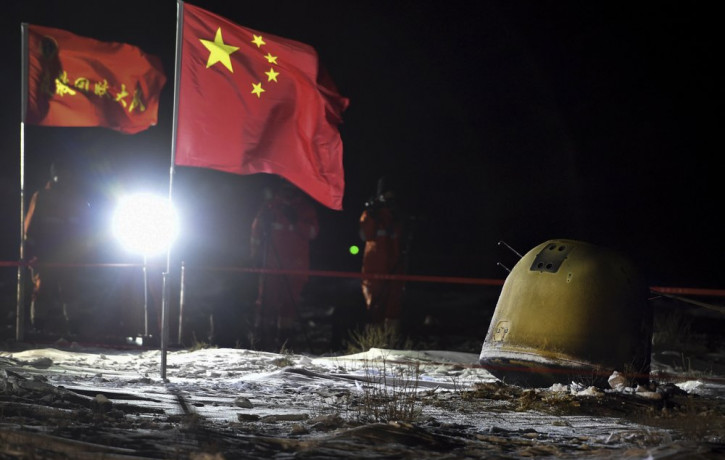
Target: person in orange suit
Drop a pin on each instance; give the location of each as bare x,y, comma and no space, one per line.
381,228
56,231
280,239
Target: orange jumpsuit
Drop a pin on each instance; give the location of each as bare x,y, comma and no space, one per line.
381,230
280,238
56,227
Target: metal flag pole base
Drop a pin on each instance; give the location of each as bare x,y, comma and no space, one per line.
145,298
164,323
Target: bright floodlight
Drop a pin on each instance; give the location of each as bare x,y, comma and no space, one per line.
145,223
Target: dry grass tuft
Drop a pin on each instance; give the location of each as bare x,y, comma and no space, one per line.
376,336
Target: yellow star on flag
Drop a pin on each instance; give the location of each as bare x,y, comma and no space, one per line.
258,40
257,89
271,59
271,75
219,51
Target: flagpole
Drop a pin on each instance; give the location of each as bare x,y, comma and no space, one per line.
165,283
20,307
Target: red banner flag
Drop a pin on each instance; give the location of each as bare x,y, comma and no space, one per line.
251,102
79,81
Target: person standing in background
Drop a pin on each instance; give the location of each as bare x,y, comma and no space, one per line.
280,239
381,229
57,227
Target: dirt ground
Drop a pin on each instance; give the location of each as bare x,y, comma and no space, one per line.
47,412
44,419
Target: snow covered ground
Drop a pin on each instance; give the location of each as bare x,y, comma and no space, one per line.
238,403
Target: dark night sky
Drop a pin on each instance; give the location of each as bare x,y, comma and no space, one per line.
496,120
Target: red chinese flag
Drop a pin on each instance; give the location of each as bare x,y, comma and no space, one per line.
79,81
251,102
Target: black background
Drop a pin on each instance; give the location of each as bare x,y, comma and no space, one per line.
518,121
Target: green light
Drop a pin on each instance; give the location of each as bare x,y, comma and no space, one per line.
354,249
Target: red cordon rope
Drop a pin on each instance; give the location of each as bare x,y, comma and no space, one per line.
378,276
407,277
689,291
